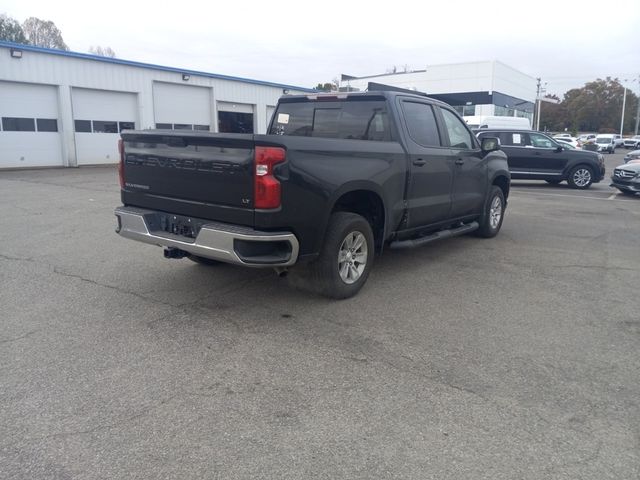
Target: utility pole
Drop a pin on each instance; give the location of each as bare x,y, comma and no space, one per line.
538,103
637,110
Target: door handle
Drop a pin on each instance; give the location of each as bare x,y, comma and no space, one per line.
459,161
419,162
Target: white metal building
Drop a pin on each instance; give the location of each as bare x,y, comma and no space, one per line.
475,88
60,108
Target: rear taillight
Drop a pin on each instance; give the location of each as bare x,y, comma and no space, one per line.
266,186
121,163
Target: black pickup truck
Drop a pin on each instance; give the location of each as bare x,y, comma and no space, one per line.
338,178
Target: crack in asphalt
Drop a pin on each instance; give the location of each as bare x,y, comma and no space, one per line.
145,411
28,334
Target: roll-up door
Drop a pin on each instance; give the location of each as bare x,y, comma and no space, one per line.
181,107
99,117
30,126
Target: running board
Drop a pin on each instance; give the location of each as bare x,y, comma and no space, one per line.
418,242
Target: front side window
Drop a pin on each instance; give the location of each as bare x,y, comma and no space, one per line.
541,141
459,136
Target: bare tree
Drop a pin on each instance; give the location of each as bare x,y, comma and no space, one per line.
43,33
10,30
102,51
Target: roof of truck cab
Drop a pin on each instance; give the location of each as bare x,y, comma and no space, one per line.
346,95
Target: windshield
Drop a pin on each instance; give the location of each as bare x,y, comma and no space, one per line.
603,140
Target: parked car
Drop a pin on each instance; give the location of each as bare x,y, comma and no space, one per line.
337,179
496,121
606,143
587,138
626,178
619,141
563,135
631,156
633,142
572,142
535,156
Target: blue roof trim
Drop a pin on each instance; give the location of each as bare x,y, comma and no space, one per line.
130,63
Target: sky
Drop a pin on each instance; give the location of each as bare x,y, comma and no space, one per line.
566,43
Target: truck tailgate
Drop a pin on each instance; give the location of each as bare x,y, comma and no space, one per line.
204,174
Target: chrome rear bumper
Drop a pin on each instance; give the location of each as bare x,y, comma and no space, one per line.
218,241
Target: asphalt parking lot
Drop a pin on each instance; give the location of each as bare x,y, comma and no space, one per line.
516,357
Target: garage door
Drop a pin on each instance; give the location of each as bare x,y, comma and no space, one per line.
235,117
30,126
99,116
181,107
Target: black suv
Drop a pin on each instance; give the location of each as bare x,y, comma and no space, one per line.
535,156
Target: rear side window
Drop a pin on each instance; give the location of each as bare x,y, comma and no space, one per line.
421,123
510,139
356,120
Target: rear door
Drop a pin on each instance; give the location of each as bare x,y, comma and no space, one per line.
430,166
514,145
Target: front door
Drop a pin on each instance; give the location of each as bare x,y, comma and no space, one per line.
470,169
545,158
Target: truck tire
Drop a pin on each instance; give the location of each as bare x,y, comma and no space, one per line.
346,257
203,260
493,214
580,177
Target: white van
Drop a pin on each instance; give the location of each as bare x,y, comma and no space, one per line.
488,121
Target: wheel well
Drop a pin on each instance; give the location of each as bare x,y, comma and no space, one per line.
503,183
367,204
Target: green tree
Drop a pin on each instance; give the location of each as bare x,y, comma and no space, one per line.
597,106
553,116
10,30
326,87
43,33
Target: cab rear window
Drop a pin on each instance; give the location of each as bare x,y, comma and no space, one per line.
356,120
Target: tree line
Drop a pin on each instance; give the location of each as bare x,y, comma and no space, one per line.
595,107
40,33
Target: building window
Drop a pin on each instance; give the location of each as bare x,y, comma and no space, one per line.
468,110
182,126
15,124
83,126
503,111
164,126
102,126
126,126
47,124
201,127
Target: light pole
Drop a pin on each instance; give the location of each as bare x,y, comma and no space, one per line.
624,101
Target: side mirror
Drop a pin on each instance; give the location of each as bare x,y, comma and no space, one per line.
559,148
490,144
